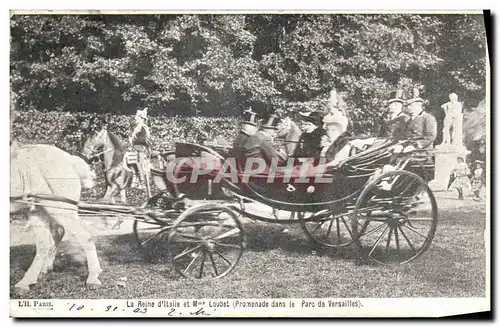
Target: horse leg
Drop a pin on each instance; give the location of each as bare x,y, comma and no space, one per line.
44,243
70,220
123,196
57,232
48,264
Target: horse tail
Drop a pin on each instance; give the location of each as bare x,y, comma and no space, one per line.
86,174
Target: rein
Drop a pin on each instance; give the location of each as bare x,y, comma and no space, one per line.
98,153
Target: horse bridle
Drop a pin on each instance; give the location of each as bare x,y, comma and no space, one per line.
93,152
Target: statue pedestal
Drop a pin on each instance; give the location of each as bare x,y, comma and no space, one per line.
445,162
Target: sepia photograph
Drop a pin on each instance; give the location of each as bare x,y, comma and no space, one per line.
249,164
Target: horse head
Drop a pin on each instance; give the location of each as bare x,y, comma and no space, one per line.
284,126
94,144
290,132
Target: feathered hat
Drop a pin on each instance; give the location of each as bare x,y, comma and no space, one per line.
142,113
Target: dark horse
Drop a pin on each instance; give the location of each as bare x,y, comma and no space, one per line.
118,163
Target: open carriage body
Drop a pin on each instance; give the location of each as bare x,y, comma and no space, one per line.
377,199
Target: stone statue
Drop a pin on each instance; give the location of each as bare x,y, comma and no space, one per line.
452,121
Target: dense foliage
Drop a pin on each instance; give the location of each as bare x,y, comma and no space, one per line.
218,65
71,130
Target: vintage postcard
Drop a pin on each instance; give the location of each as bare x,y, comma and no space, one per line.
249,164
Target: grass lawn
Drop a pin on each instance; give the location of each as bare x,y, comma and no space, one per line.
279,265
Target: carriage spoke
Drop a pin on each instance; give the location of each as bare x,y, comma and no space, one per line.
151,238
203,259
318,226
396,238
338,230
419,219
192,261
223,257
210,256
187,251
229,233
407,239
373,230
415,231
407,188
388,240
233,246
157,246
186,238
149,228
330,226
346,226
378,241
365,226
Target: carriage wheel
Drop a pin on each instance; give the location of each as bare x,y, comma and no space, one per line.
330,230
395,218
207,241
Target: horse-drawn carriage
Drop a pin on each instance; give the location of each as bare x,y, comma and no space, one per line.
377,200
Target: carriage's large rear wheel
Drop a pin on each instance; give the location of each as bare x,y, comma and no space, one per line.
206,241
395,218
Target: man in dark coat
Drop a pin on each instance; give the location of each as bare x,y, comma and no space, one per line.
309,145
396,127
422,126
250,145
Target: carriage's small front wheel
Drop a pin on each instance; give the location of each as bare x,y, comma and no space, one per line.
206,241
395,218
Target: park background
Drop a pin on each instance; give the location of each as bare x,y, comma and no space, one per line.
71,73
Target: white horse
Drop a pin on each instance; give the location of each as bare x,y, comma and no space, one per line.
289,132
47,171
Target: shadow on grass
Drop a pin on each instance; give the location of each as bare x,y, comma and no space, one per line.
267,237
122,249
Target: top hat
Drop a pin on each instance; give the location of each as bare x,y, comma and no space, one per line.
396,96
413,100
249,117
271,123
314,117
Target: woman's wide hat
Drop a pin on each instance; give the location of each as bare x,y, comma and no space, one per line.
315,117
